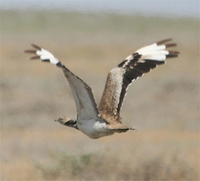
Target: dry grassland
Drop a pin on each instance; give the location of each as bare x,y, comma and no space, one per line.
163,105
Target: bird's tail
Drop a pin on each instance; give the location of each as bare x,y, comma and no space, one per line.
44,55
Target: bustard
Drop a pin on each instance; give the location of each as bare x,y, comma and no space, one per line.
105,120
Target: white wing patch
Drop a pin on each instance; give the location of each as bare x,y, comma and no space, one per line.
149,48
153,52
133,67
46,55
85,103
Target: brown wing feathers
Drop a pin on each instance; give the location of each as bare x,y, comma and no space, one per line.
134,67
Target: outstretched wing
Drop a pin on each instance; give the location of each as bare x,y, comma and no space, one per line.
133,67
85,103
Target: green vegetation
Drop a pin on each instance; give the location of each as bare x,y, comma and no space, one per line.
107,167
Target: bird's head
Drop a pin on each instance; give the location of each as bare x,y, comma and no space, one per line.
67,122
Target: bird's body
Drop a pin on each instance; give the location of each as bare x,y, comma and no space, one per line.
94,128
105,120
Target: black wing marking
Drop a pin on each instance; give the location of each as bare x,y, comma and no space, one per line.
85,103
133,67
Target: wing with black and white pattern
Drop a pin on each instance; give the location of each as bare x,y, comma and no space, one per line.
85,103
133,67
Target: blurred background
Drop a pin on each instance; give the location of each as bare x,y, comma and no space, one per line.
90,38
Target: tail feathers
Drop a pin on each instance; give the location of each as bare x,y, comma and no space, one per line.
44,55
158,51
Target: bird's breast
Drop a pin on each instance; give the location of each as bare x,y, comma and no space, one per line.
93,128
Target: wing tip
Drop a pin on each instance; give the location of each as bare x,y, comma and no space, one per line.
36,46
33,51
164,41
173,54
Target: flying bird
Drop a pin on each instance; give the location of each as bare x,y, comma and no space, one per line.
105,120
